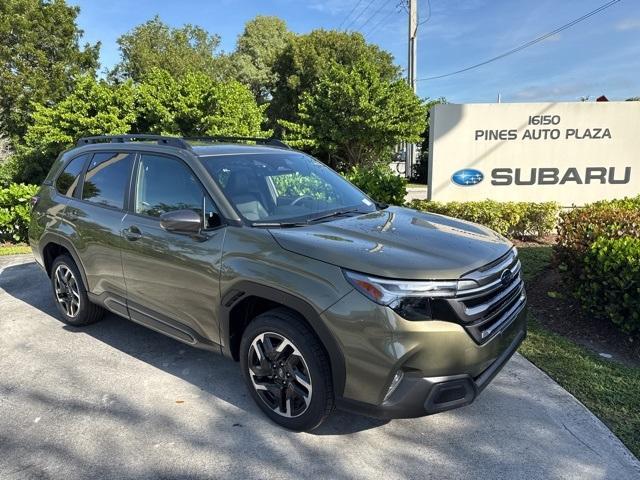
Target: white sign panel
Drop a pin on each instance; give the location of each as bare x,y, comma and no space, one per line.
572,153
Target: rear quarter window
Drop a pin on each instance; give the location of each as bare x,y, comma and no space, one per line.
68,181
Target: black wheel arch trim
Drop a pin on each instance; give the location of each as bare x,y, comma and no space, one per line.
49,238
301,306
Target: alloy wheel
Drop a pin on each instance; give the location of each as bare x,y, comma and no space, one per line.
279,374
67,291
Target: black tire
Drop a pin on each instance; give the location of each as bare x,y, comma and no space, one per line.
303,342
74,291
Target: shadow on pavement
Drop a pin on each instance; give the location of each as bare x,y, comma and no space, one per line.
104,416
210,372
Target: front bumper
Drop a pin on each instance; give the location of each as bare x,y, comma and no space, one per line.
420,396
443,366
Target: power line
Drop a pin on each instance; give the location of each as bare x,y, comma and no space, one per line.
428,14
382,5
349,14
526,45
382,20
360,14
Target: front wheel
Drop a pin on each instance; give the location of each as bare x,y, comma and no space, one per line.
287,370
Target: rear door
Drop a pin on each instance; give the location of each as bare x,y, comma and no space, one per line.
172,279
96,212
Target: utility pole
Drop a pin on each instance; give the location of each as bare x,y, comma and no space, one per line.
411,75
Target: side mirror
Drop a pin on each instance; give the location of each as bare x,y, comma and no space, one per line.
181,221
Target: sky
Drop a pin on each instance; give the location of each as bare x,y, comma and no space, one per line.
598,56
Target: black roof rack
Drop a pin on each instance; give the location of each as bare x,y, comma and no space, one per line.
159,139
178,142
259,140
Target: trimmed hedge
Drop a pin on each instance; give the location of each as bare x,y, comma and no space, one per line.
598,251
579,228
511,219
379,182
15,211
609,286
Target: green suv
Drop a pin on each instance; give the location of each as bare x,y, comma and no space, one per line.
264,254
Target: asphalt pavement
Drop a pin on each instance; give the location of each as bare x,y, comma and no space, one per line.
116,400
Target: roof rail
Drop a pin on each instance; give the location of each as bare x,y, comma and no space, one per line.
259,140
159,139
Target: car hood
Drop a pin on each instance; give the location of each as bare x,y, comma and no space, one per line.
397,243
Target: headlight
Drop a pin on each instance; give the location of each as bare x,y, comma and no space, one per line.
410,299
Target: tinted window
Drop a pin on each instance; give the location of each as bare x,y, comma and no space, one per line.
164,184
68,180
106,179
284,187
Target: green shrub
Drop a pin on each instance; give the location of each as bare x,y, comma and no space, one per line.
379,182
609,286
628,203
296,185
579,228
15,211
512,219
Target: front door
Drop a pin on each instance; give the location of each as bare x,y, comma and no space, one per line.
172,279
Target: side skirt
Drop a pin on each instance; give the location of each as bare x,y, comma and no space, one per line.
153,320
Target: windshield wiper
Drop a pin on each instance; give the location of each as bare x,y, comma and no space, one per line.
337,213
278,224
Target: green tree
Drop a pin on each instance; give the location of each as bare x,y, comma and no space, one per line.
6,160
420,168
94,108
40,57
155,44
196,105
307,57
355,116
257,50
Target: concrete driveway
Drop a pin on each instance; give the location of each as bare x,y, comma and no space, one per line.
115,400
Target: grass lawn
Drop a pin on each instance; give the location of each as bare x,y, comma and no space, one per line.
534,260
610,390
9,249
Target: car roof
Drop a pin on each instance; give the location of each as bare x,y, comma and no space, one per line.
234,149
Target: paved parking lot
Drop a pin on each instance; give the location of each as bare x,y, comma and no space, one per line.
115,400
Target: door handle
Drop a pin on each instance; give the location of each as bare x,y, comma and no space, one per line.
132,233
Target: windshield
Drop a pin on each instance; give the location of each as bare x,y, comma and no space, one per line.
284,187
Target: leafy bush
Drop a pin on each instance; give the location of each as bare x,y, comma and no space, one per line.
512,219
194,105
354,114
609,286
579,228
15,211
6,161
379,182
296,185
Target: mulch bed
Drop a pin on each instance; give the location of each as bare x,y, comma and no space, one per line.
564,316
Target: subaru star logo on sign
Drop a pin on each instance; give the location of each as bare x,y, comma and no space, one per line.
467,177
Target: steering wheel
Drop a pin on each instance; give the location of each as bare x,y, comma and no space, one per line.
300,199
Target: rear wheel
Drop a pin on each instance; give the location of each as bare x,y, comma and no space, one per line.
287,370
70,294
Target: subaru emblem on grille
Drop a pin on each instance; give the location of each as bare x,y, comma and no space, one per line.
506,276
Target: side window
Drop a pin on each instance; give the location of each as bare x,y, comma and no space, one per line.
165,184
68,180
105,182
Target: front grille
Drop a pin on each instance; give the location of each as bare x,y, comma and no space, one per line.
500,297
